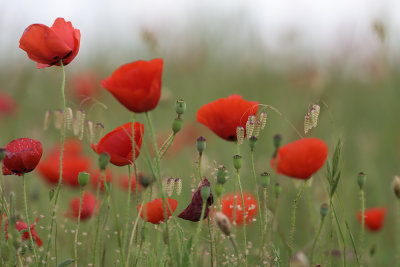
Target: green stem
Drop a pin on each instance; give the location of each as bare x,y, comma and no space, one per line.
244,216
97,230
77,230
293,224
315,240
234,246
362,225
211,242
133,234
4,204
196,237
199,167
340,232
265,228
258,198
53,216
27,219
128,208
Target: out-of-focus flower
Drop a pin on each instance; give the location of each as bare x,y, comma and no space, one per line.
136,85
300,159
250,207
22,156
154,211
89,206
84,86
97,177
23,226
373,218
118,144
47,46
124,183
8,106
224,115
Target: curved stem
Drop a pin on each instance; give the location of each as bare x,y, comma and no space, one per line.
258,197
244,216
133,234
77,230
315,240
27,219
234,246
362,225
97,230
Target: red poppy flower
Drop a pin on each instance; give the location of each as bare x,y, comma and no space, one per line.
8,106
84,86
89,205
154,212
301,159
136,85
124,183
250,207
47,46
73,163
20,226
22,156
226,114
118,144
373,218
97,178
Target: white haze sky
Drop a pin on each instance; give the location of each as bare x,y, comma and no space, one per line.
320,25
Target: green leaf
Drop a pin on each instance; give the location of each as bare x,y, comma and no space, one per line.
334,186
65,263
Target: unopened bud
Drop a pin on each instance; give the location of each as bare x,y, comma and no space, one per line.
180,106
237,162
218,189
201,144
361,178
178,186
83,178
221,175
169,187
104,159
265,179
69,116
277,141
396,186
89,131
177,125
323,210
223,223
263,119
253,142
205,193
58,119
145,180
240,134
47,119
2,155
278,190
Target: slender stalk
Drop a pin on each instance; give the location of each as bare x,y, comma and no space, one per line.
3,193
196,237
260,220
316,240
128,207
234,246
53,216
211,242
77,229
133,234
97,230
362,225
293,224
27,219
244,216
265,228
199,167
340,232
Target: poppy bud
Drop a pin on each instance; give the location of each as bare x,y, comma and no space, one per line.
252,142
145,181
201,144
278,190
221,175
265,179
180,106
2,153
178,186
83,178
237,162
240,134
396,186
169,187
104,159
47,119
218,189
324,209
223,223
361,178
205,193
177,125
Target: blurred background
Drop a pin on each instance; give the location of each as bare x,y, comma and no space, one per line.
343,55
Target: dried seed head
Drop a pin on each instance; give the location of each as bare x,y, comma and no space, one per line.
252,118
257,129
307,123
89,131
311,118
59,119
240,134
396,186
250,125
75,127
81,116
69,116
169,187
178,186
263,119
47,119
223,223
98,131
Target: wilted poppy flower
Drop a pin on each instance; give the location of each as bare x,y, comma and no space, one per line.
89,206
47,46
124,183
300,159
193,211
373,218
224,115
97,178
22,156
118,144
23,226
73,163
155,213
8,106
250,207
136,85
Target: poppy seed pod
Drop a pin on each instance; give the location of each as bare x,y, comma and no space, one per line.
205,193
83,178
324,209
104,159
177,125
180,107
201,144
361,179
218,189
221,175
265,179
237,162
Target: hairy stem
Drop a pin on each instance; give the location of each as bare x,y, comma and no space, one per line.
77,230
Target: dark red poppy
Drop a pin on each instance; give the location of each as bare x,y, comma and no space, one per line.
155,213
301,159
98,178
47,46
74,162
250,207
224,115
124,183
84,86
373,218
23,226
8,106
89,206
118,144
136,85
193,210
22,156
